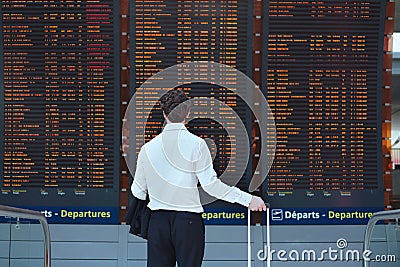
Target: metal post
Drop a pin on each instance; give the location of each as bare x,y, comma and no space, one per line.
32,215
377,216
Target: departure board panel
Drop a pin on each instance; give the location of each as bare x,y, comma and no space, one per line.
322,64
60,108
170,32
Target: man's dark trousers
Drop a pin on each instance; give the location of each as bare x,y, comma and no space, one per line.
175,236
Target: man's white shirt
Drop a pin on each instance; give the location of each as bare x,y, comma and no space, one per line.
169,168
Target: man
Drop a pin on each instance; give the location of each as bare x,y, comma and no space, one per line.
169,168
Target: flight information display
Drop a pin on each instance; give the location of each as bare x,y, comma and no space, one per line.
60,108
321,74
166,33
322,65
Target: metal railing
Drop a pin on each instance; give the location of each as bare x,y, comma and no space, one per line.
32,215
377,216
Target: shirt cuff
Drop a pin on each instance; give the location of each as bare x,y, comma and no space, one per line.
138,192
244,199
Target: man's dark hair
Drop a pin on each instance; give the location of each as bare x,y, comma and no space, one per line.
172,107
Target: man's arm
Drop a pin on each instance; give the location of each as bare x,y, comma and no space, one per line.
139,185
215,187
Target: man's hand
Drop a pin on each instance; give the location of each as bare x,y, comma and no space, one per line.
257,204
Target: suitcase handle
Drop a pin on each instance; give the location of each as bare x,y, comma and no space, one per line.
249,237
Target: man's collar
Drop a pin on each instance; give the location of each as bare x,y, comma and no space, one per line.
174,126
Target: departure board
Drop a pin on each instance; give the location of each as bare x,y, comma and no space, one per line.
166,33
322,64
60,108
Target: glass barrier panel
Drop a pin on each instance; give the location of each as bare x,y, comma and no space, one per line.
22,243
5,241
384,245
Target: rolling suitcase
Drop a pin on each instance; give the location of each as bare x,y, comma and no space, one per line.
249,237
